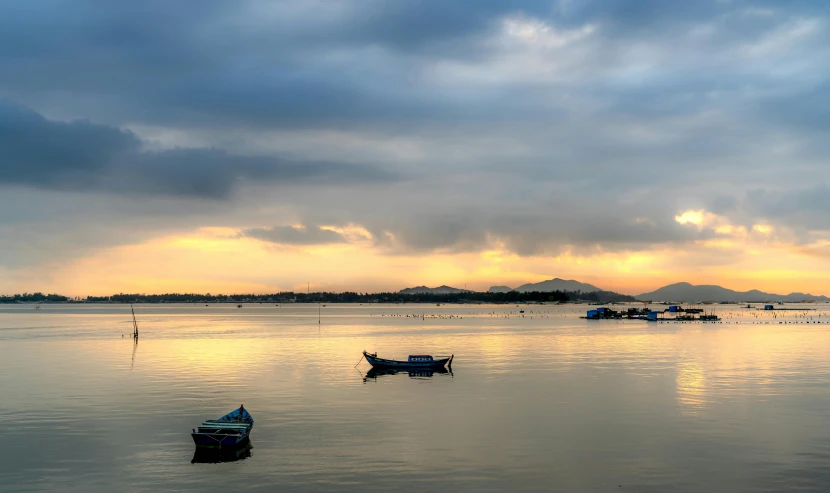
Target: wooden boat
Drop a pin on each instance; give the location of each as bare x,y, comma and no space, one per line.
415,361
231,429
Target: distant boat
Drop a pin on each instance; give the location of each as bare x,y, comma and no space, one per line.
415,361
231,429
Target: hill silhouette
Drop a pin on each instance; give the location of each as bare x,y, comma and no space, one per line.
684,291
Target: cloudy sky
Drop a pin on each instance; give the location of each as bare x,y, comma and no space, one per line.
257,145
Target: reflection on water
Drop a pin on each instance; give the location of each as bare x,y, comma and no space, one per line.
691,387
205,455
543,402
374,373
135,348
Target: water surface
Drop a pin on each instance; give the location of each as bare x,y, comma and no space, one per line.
539,401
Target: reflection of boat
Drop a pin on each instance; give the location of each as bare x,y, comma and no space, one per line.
204,455
231,429
374,373
415,361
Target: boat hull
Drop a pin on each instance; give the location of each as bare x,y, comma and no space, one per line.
230,430
406,365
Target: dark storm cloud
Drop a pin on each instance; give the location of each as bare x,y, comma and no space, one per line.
82,156
291,235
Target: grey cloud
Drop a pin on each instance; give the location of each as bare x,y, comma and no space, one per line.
666,106
801,209
544,222
290,235
808,109
788,203
354,63
798,213
83,156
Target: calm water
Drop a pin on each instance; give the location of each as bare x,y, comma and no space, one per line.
544,402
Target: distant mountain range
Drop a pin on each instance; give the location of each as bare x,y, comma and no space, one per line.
438,290
548,286
680,292
683,291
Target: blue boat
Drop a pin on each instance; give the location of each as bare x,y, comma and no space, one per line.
415,361
229,430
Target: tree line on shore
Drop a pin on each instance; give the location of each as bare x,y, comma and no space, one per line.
326,297
33,298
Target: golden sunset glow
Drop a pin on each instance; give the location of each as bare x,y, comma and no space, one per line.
220,260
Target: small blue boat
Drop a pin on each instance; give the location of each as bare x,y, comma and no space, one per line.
231,429
415,361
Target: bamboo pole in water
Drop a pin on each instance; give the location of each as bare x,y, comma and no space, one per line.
135,324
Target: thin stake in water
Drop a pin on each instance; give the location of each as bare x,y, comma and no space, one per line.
135,324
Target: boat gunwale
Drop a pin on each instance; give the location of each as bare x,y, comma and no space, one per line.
220,427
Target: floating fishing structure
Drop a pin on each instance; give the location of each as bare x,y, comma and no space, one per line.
231,429
768,308
679,314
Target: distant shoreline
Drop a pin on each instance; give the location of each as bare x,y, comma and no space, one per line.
464,297
409,302
326,297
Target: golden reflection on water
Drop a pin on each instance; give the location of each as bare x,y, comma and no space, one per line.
691,387
710,362
220,356
755,361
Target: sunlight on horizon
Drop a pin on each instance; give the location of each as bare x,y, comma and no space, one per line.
217,260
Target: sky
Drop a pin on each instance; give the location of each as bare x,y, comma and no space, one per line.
368,145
